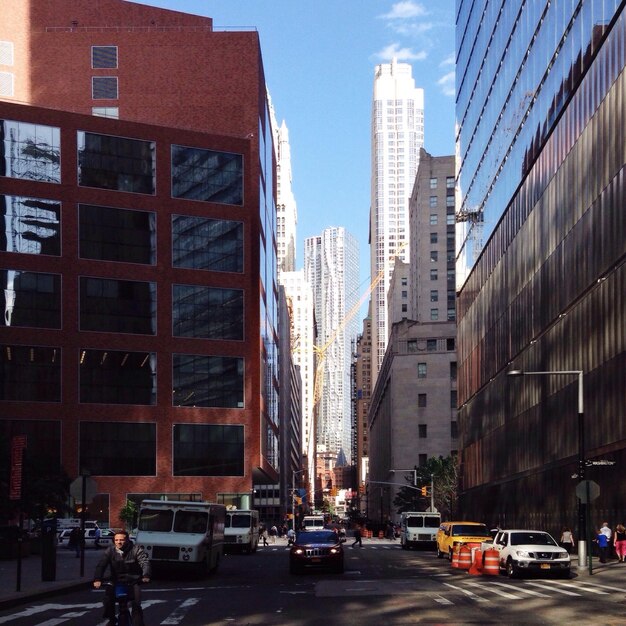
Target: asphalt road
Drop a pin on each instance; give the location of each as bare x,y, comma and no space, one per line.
382,585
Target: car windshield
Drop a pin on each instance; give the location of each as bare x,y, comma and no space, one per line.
317,536
532,539
470,530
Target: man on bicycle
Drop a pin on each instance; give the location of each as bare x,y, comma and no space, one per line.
128,564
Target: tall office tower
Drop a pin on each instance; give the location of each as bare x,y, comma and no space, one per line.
540,108
139,259
397,135
331,267
413,405
299,296
286,212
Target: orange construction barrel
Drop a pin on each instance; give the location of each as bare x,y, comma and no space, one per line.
477,562
455,557
491,566
465,557
380,534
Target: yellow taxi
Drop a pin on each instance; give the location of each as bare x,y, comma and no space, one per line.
451,534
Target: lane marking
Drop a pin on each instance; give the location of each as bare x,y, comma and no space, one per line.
544,586
179,613
467,593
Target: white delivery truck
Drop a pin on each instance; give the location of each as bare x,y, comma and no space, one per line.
172,531
313,522
241,532
419,529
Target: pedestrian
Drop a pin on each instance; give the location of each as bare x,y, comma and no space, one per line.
603,545
567,540
264,535
291,536
619,542
606,531
74,541
96,537
357,537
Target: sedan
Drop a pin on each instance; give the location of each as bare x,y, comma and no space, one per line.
316,549
106,537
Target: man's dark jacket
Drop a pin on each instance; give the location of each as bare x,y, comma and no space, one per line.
129,566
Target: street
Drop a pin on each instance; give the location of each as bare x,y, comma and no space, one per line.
382,585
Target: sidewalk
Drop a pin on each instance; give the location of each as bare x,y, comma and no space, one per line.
32,587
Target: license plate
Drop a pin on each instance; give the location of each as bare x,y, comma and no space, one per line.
545,566
316,560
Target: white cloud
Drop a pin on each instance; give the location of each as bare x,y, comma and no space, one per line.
412,29
449,60
404,10
400,53
446,82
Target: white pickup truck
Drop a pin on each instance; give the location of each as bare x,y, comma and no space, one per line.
531,552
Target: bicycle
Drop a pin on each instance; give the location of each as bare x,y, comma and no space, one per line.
121,596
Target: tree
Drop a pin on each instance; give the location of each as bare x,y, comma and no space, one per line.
444,473
128,514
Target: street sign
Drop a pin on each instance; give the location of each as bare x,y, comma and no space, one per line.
600,462
587,491
91,489
18,444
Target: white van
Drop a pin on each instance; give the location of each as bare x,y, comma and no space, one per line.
313,522
182,532
419,529
241,532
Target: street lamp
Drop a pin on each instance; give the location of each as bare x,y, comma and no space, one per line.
582,506
293,497
393,471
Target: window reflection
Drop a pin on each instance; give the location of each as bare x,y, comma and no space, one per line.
117,377
117,163
207,312
30,151
207,244
30,299
31,225
207,381
110,234
208,175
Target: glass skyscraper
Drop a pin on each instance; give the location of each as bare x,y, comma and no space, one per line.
540,142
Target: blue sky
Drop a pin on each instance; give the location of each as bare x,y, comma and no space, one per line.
319,59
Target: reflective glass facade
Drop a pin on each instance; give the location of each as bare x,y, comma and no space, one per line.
540,104
30,373
31,299
207,175
31,225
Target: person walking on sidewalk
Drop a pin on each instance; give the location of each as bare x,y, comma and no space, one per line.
619,542
75,540
357,537
603,545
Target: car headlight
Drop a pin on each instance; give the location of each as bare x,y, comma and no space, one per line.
298,551
334,550
562,555
523,554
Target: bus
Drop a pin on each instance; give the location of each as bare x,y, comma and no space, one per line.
191,533
241,532
419,529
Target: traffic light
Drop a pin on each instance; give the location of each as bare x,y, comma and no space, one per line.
424,491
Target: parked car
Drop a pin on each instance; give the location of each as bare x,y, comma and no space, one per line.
451,534
531,552
106,537
316,549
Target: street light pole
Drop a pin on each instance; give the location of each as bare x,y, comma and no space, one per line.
293,498
582,506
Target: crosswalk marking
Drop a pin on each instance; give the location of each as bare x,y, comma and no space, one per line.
585,588
556,589
467,592
498,592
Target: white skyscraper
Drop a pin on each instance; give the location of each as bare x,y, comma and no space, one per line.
397,136
331,267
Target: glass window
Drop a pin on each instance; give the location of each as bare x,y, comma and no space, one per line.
207,244
30,151
433,238
452,370
450,182
434,256
30,373
431,345
422,459
207,312
31,225
110,234
123,306
434,314
30,299
104,88
422,370
450,221
43,442
117,377
208,450
450,343
433,275
411,345
433,183
118,163
118,448
434,295
449,201
207,175
433,202
112,112
453,399
433,219
103,57
451,315
208,381
422,431
454,430
421,400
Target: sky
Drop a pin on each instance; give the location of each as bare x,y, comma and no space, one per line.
319,58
